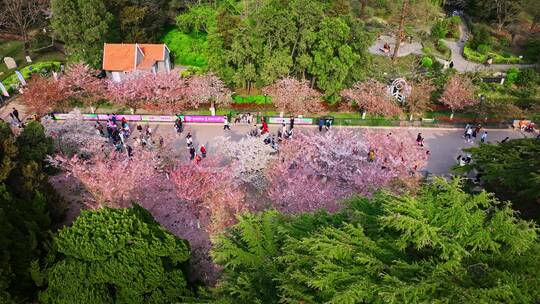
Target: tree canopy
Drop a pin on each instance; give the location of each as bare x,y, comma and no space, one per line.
257,44
444,245
511,170
116,256
26,202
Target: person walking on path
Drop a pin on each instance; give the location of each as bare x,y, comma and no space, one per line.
484,136
191,152
226,125
321,124
469,134
291,121
16,114
189,140
420,140
328,124
476,130
203,151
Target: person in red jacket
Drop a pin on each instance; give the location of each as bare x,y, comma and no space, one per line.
203,151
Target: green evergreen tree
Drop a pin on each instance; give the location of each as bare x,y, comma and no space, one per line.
441,246
511,170
116,256
84,26
24,221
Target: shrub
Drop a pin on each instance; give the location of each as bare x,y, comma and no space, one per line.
439,29
511,76
532,49
254,99
481,35
427,62
483,48
527,77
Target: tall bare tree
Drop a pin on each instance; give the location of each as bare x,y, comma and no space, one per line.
399,33
18,16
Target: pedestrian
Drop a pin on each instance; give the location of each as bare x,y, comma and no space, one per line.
505,140
161,141
226,123
466,129
191,152
371,155
189,139
476,130
113,118
321,124
264,128
469,134
328,124
451,64
16,114
203,151
483,137
129,150
420,140
197,159
291,121
179,125
99,128
123,122
140,129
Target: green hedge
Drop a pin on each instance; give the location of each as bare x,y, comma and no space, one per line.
255,99
36,68
188,49
476,56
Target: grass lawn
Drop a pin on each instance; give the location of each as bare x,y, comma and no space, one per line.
13,48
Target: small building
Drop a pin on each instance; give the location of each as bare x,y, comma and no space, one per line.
121,59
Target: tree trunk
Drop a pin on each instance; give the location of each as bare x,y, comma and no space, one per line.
313,81
399,33
364,115
452,115
363,4
410,117
92,109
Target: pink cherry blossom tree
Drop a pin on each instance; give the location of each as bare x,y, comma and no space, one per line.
81,81
72,135
249,158
207,88
294,96
459,94
42,95
113,178
317,171
161,90
371,96
419,100
211,191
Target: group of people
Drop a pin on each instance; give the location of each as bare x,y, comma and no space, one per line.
191,147
244,118
471,132
119,131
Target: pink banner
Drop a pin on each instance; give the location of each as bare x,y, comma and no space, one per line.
147,118
198,118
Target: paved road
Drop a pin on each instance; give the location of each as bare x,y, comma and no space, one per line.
444,144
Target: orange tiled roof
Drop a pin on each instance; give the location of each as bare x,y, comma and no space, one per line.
121,57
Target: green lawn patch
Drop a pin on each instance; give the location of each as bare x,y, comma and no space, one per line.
14,48
476,56
44,67
187,49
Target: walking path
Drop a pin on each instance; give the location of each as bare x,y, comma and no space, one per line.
444,144
456,47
